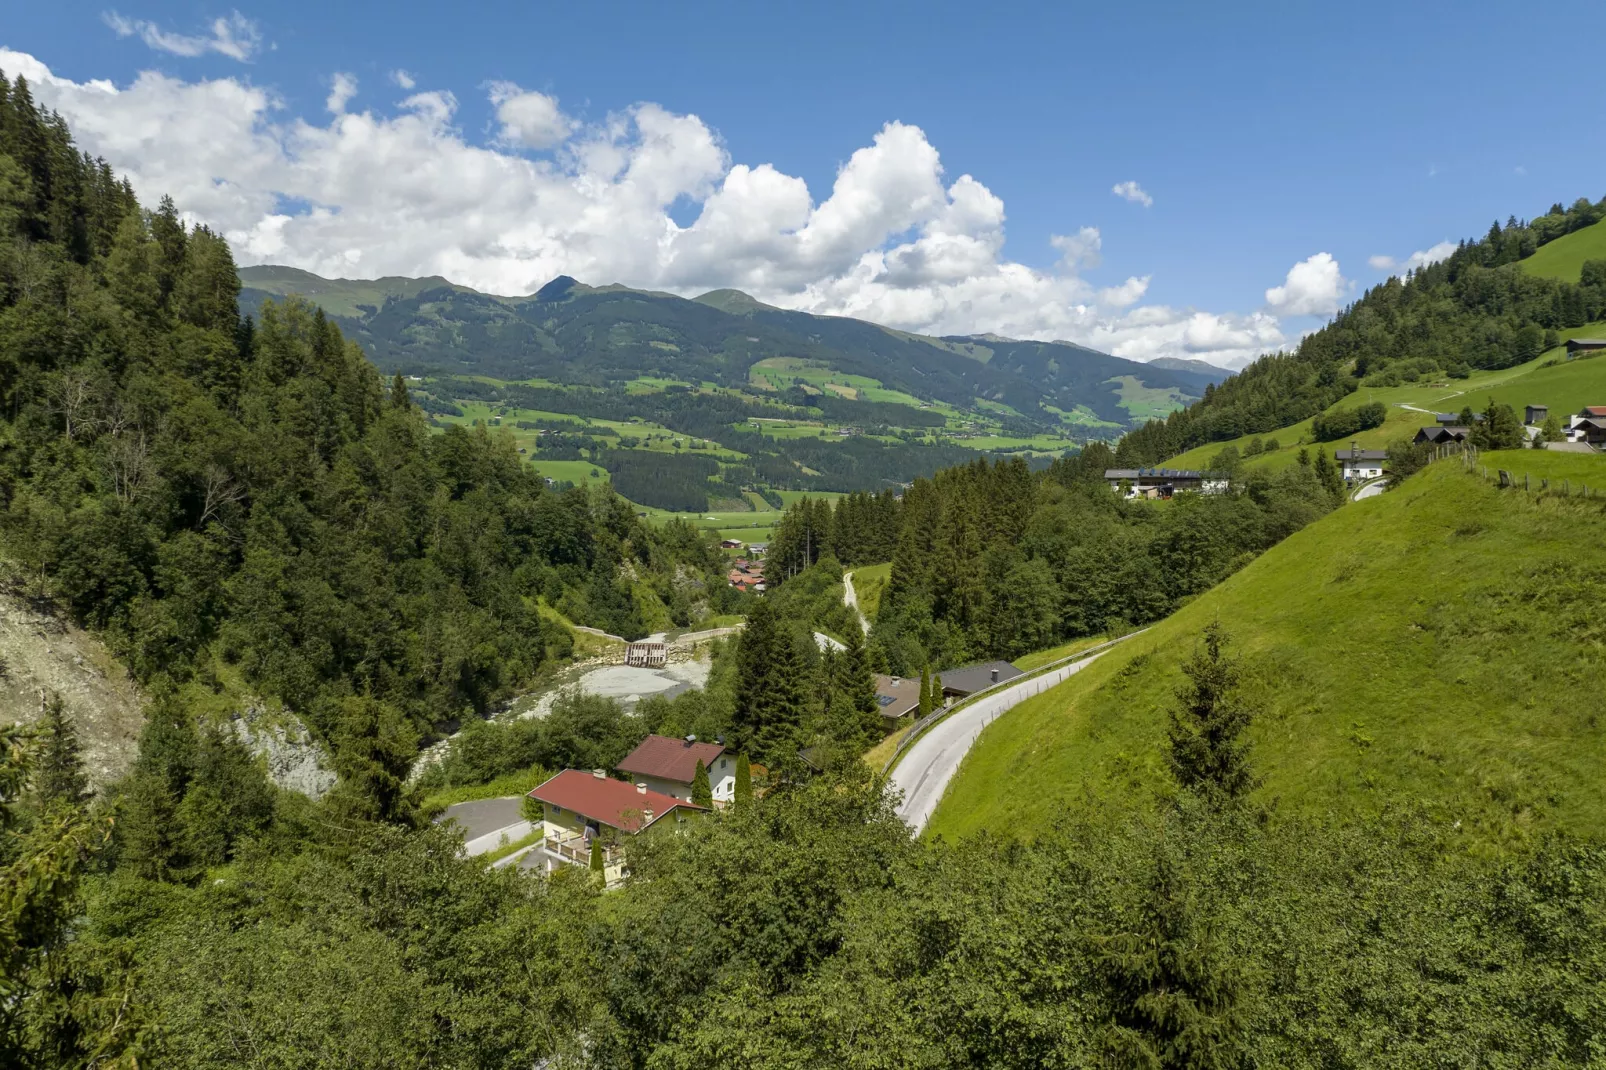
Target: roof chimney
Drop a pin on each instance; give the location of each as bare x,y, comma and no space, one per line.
995,676
641,789
646,817
690,740
599,774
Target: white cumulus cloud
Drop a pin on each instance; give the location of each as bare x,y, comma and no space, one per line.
1129,292
532,120
1131,191
233,35
1084,249
1314,287
405,191
1419,259
403,79
341,89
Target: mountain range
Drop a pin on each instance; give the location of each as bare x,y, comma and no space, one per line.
573,334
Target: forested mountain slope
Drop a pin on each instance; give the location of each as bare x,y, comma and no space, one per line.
568,332
1479,309
218,496
1425,649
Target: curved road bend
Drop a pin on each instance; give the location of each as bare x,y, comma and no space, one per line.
923,774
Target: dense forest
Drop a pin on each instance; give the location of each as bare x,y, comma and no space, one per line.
992,560
220,495
1476,309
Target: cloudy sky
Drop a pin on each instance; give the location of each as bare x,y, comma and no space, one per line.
1148,183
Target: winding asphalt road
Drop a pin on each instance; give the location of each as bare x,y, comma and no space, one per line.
924,772
1372,490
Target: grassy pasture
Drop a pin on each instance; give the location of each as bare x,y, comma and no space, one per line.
1435,647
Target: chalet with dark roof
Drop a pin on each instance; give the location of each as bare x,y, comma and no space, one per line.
669,765
963,682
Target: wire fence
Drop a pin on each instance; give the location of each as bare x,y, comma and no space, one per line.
1506,479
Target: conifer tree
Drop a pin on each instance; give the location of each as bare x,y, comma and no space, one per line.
59,776
399,398
1175,998
1208,754
744,782
770,687
924,706
701,794
599,861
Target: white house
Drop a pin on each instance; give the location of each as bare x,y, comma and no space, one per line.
1356,464
578,807
669,765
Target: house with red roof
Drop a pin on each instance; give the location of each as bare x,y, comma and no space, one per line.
669,766
578,807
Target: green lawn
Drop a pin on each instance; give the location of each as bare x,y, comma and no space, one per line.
869,583
576,472
1147,402
1564,258
1439,646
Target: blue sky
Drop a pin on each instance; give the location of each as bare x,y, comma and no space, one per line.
1264,137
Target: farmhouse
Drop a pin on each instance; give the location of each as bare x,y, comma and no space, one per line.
1356,463
647,654
1442,436
896,696
1163,482
669,765
960,683
730,544
1584,345
578,807
1588,425
746,575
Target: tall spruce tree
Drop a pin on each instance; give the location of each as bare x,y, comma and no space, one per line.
1174,995
701,793
1208,753
771,684
59,773
744,782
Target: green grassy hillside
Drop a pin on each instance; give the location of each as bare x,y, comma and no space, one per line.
1549,379
1440,645
1564,258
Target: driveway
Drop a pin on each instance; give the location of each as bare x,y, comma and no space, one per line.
485,821
850,598
925,770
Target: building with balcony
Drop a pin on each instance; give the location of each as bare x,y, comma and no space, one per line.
579,807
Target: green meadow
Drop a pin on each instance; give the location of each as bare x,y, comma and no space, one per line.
1440,647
